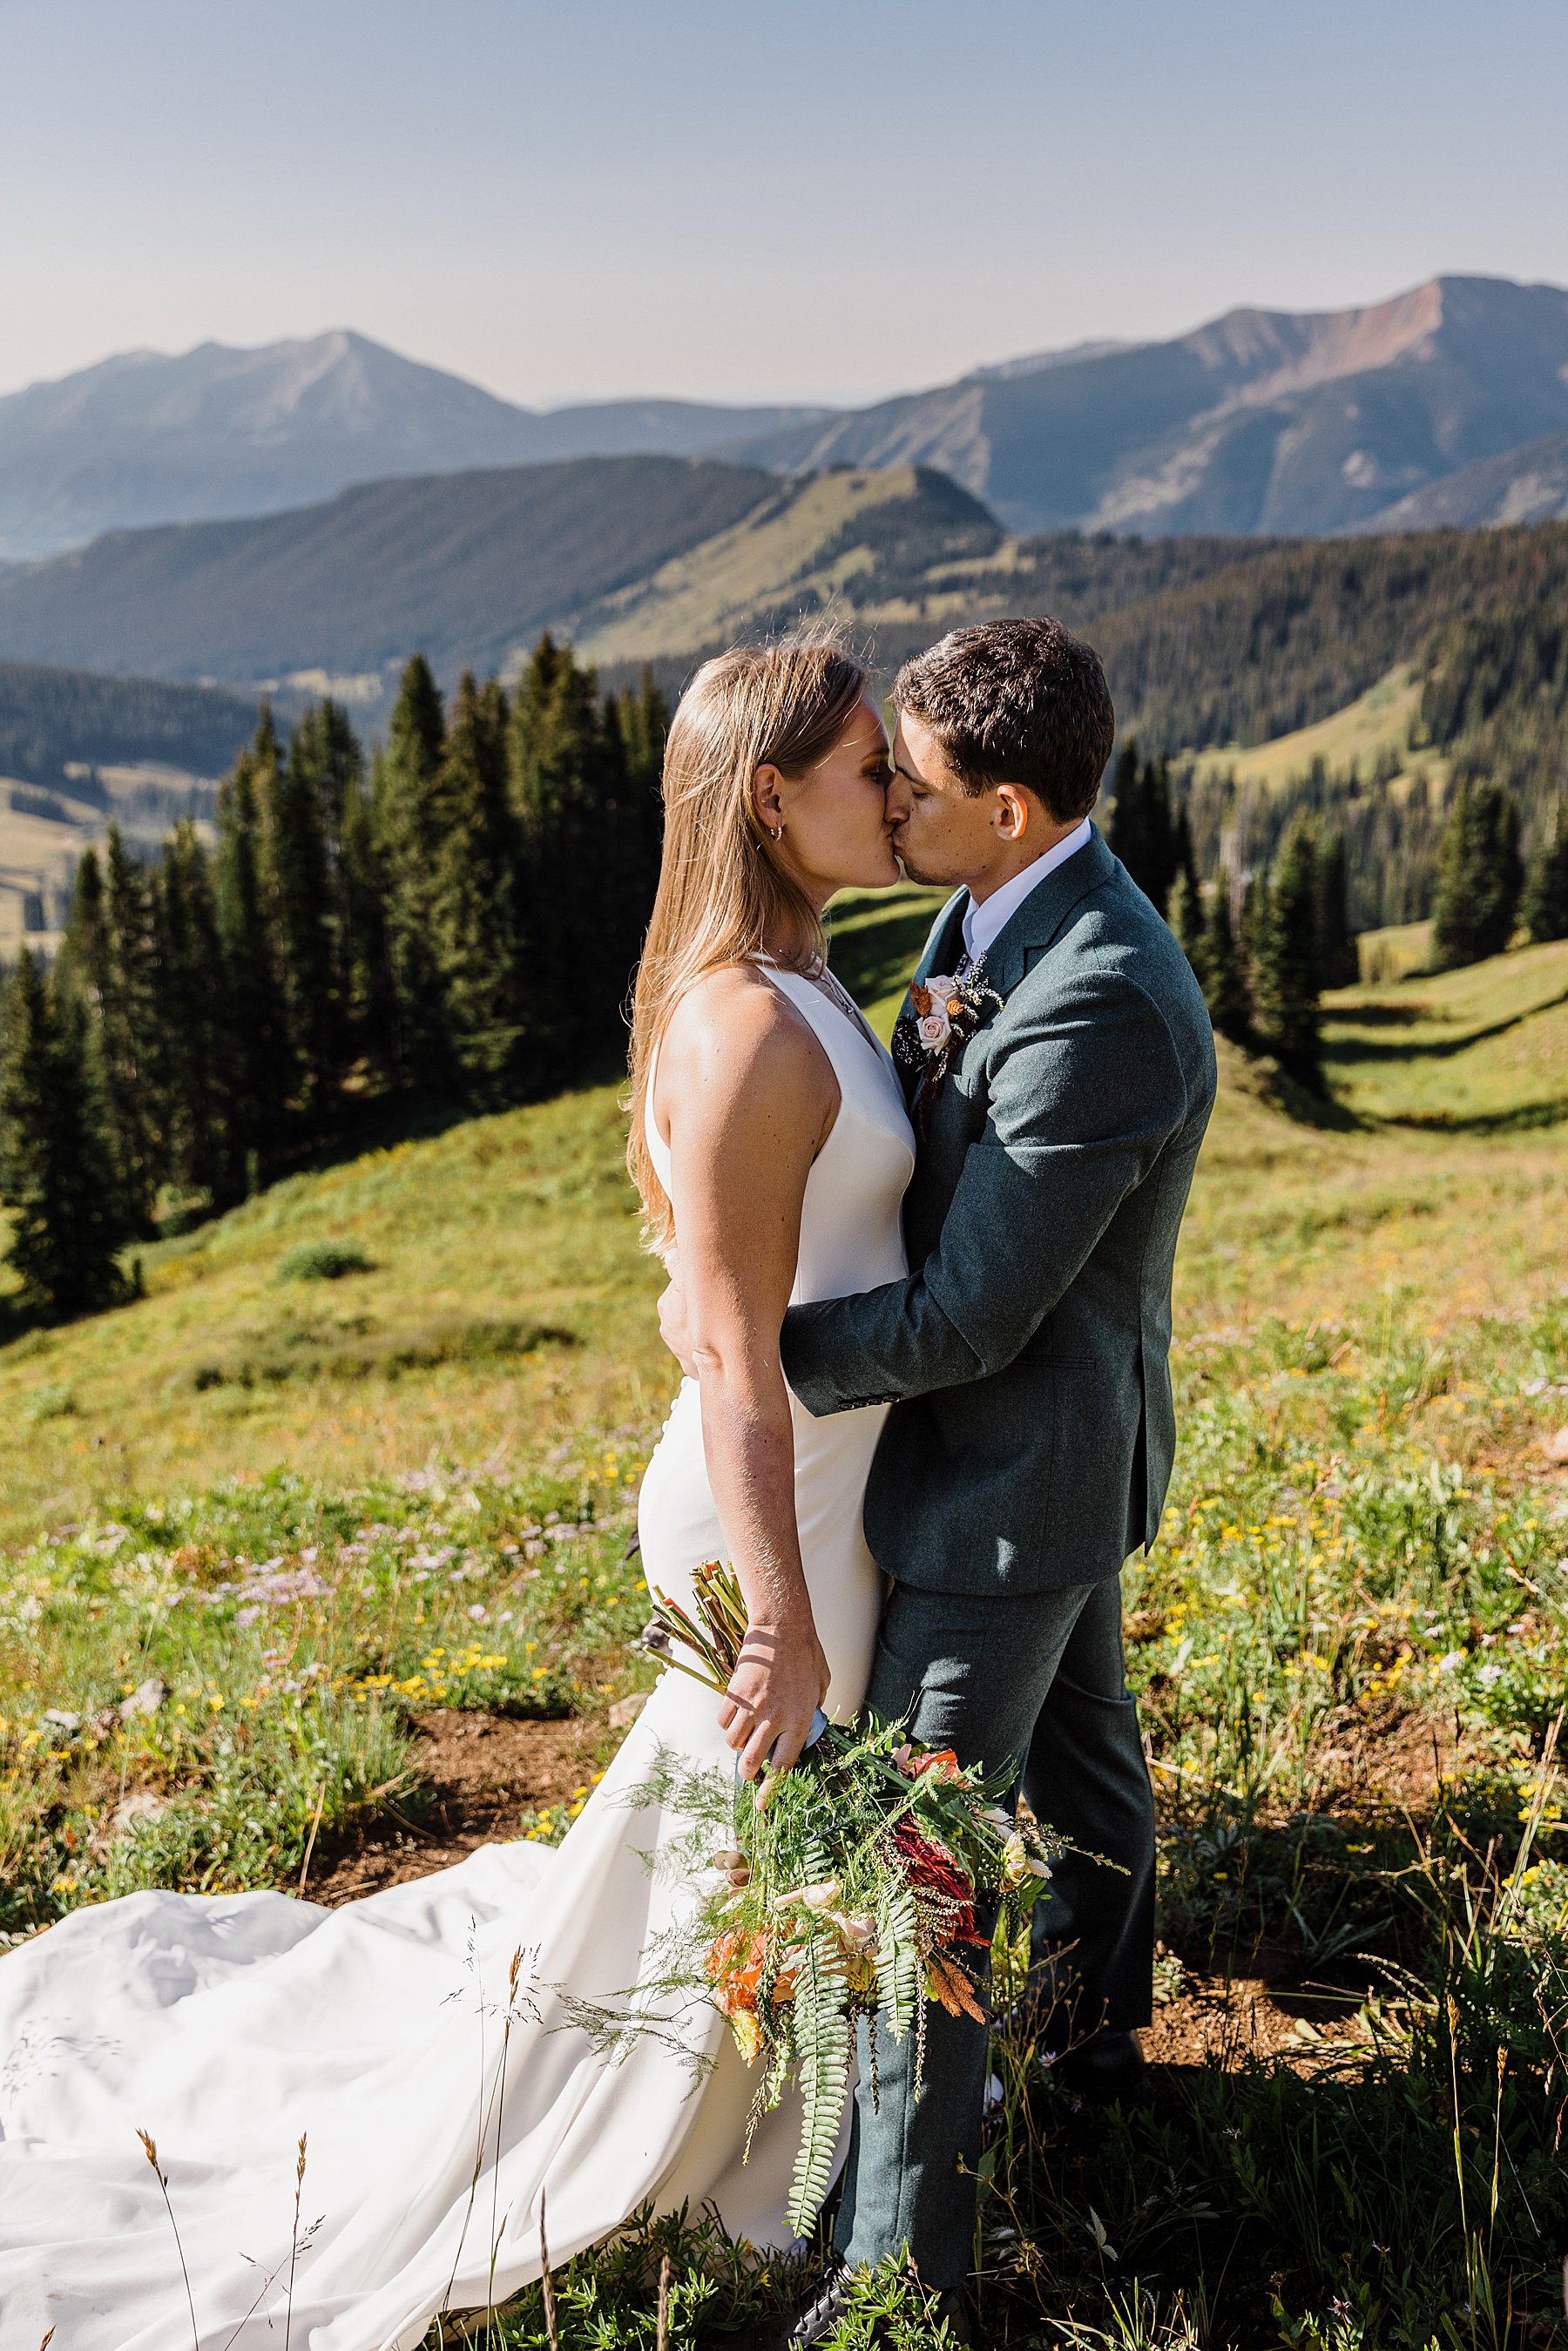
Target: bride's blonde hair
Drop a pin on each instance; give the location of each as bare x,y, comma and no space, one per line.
723,894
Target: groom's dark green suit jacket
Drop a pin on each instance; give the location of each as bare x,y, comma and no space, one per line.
1026,1356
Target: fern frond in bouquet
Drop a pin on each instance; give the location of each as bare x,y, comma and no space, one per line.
853,1891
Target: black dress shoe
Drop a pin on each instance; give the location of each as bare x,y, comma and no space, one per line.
819,2316
1107,2067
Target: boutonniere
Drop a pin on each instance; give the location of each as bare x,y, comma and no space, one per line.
946,1014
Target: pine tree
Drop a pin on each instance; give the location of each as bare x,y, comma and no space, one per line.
257,1011
364,956
1224,973
1338,966
411,825
297,797
474,925
1286,966
1543,909
196,1043
1143,831
107,962
633,732
559,762
57,1175
1478,876
326,751
1186,917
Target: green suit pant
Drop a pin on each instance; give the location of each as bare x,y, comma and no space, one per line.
1034,1681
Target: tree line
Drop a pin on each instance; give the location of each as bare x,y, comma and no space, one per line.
458,920
1267,941
51,718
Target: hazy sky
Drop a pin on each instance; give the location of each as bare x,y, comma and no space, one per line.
820,199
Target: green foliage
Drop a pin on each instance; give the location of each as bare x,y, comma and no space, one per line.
1543,908
1338,964
321,1261
1478,876
1287,632
464,931
52,717
1222,969
1285,958
56,1176
1142,830
476,935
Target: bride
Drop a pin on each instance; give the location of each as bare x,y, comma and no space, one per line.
416,2049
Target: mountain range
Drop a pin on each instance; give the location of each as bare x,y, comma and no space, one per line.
463,566
1262,422
218,433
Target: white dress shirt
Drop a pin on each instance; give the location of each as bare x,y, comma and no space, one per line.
983,922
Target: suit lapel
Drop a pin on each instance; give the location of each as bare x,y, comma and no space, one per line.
1023,939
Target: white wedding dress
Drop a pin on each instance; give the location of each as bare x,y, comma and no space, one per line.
227,2025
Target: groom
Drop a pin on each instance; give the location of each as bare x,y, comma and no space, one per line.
1029,1443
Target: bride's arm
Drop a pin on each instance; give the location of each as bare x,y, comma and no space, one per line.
748,1096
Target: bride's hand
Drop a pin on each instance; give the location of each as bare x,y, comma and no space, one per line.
776,1689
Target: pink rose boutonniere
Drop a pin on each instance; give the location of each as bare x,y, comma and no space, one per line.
946,1012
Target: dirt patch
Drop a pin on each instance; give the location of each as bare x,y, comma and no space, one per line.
1398,1761
477,1775
1214,2021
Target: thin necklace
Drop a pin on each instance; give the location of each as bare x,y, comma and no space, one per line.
827,983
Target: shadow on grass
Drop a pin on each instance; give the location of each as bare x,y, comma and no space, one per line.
1436,1049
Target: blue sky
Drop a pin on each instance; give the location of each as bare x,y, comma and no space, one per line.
827,199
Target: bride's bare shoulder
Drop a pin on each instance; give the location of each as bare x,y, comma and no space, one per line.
734,1025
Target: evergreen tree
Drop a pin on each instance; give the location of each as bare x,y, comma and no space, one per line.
1338,966
107,962
1478,876
364,956
1184,864
1543,909
257,1007
57,1175
558,764
1223,972
634,729
298,797
1285,970
410,828
1142,832
196,1046
474,924
1186,917
326,751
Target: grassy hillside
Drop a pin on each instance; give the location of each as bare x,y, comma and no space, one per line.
1479,1051
348,1536
1376,723
814,544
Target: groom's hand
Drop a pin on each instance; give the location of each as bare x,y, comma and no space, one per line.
777,1684
673,1325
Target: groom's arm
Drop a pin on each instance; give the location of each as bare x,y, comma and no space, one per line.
1082,1103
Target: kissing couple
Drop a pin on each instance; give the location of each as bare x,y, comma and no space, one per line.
923,1302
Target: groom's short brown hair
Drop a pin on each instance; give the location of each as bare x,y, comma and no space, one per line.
1016,701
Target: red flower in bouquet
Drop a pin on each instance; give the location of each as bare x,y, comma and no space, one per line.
931,1866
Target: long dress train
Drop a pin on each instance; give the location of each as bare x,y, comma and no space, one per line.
436,2103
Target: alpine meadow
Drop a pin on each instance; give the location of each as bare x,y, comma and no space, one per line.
327,1345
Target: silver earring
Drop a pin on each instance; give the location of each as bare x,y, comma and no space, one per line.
777,831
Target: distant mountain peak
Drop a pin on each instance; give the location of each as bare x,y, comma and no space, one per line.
1260,421
225,431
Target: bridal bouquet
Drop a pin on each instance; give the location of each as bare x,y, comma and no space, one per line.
851,1892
